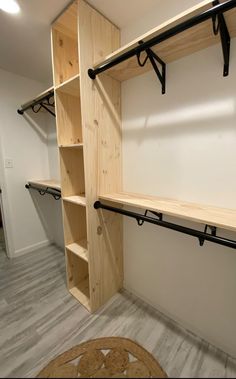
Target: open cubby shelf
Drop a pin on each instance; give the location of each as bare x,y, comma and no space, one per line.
65,46
72,172
79,248
70,86
68,111
75,225
76,145
78,278
79,200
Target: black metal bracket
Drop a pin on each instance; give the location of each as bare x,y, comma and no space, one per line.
55,193
213,233
202,236
43,102
158,215
220,26
216,11
154,59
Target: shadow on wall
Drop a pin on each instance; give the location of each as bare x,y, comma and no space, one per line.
177,121
37,121
47,208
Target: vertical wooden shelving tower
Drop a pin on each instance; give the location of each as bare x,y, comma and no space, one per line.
89,141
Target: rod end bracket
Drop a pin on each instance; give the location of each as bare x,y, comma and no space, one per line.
19,111
91,74
97,205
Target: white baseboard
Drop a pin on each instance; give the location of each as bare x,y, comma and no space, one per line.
31,248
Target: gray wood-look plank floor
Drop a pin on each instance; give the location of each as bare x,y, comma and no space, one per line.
40,319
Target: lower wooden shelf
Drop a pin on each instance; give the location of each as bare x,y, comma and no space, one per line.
80,249
78,274
81,292
204,214
47,183
79,200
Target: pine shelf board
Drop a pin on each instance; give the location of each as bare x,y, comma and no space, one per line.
79,248
77,145
70,86
179,46
79,200
50,183
81,293
204,214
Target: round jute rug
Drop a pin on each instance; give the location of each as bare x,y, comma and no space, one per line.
104,358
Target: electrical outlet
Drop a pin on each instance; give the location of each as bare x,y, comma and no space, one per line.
8,163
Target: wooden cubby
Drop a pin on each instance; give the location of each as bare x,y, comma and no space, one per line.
78,278
75,228
69,113
65,45
72,172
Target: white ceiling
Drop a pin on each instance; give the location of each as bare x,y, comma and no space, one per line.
25,38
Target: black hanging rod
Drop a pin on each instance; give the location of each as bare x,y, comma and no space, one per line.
56,193
158,220
43,102
136,51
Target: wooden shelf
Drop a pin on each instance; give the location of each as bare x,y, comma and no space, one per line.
72,172
78,276
79,200
81,293
77,145
80,249
70,86
54,184
179,46
204,214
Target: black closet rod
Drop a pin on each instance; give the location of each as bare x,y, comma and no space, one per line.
38,102
56,193
202,236
143,46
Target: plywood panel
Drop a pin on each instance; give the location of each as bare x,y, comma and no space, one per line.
204,214
100,103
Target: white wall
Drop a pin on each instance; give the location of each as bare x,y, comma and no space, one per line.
182,145
25,140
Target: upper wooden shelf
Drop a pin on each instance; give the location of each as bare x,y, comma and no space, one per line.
53,184
70,86
204,214
188,42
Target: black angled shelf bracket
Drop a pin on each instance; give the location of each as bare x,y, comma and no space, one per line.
212,232
215,13
220,26
36,105
154,59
